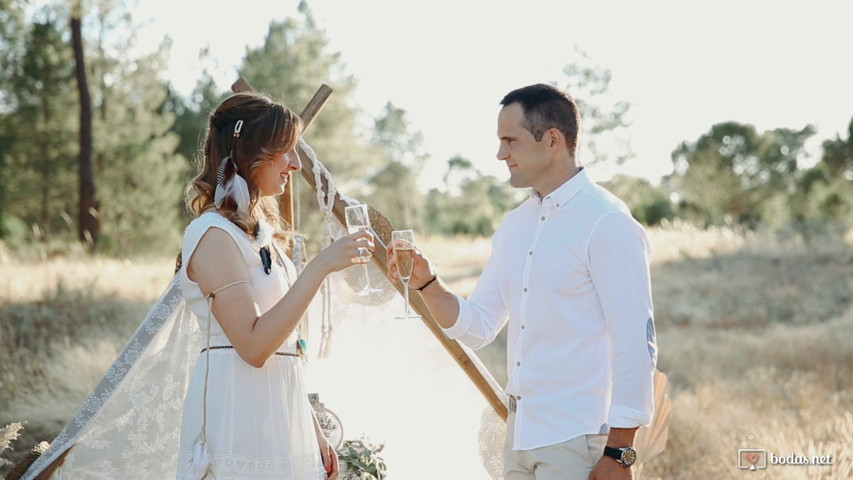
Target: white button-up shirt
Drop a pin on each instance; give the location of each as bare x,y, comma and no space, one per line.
570,273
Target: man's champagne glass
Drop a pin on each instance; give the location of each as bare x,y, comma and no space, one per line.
404,253
358,220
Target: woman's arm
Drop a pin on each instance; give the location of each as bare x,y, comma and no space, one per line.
217,261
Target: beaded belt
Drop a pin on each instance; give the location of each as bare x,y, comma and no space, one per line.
219,347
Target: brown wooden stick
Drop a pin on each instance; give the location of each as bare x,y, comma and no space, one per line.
470,364
241,85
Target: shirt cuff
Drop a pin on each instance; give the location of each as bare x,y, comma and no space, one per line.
627,417
463,320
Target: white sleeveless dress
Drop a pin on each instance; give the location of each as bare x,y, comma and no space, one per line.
259,423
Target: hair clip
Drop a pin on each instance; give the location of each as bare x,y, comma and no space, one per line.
237,128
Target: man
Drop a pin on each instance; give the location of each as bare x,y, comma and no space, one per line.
569,273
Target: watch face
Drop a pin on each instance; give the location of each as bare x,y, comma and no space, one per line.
629,456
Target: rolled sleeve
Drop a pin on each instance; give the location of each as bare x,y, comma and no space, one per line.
463,321
626,417
483,314
619,255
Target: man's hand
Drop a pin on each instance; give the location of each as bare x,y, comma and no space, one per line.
609,469
422,270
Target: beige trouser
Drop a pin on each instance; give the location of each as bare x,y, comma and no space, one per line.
570,460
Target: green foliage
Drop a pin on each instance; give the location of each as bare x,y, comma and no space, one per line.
393,189
38,168
649,204
13,230
191,114
604,120
290,66
137,175
731,172
362,460
474,204
838,155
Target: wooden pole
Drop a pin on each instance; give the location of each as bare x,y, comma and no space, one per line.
470,364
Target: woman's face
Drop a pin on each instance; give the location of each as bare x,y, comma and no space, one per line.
271,177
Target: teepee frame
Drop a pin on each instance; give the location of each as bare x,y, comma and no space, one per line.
470,364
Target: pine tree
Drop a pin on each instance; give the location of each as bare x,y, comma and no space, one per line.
38,143
290,66
139,174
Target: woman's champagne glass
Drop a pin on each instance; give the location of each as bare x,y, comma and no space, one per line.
404,253
358,220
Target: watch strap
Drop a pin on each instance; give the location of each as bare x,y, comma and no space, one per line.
618,454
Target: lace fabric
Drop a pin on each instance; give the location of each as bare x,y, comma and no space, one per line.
387,380
129,426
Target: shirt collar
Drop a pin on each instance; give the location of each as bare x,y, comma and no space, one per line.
566,191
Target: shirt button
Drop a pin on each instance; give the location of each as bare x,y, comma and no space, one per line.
557,205
522,327
542,217
530,252
517,364
525,289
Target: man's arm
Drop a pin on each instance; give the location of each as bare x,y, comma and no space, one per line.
474,322
440,301
619,268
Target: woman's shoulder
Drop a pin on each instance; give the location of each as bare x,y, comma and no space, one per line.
212,219
204,222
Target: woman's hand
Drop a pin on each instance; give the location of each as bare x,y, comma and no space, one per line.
330,457
352,249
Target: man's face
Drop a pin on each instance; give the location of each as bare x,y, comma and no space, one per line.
527,159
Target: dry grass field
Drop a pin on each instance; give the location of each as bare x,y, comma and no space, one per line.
755,335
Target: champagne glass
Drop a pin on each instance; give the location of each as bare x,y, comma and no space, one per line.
358,220
404,253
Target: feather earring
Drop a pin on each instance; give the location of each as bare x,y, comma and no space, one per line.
229,182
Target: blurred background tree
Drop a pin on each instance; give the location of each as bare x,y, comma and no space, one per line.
134,147
146,139
38,142
649,204
393,187
731,173
604,118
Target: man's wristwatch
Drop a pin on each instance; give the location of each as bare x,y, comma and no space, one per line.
625,456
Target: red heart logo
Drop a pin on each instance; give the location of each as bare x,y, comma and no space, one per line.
752,457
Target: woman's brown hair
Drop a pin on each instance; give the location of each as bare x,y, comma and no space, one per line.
268,129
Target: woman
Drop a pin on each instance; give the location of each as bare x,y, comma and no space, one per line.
246,413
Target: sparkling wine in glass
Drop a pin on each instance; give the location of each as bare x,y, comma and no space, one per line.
403,242
358,220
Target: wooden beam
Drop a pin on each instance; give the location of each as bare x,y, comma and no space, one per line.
470,364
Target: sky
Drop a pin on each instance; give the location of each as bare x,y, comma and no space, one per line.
682,65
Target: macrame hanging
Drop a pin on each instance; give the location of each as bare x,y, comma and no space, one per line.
325,201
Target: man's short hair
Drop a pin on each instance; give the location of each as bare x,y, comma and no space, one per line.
546,107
